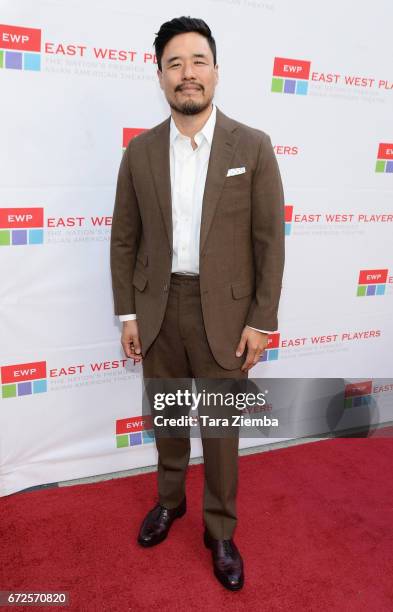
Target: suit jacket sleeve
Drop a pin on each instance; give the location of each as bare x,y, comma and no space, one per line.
125,236
268,238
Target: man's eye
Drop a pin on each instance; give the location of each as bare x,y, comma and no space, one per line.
174,65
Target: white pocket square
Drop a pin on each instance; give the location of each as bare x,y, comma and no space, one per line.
235,171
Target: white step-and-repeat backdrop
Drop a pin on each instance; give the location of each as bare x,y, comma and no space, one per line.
78,80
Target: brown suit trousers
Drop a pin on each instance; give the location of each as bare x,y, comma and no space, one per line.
181,350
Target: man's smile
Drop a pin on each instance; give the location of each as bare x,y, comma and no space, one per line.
189,88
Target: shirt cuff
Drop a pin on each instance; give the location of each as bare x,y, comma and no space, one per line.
127,317
260,330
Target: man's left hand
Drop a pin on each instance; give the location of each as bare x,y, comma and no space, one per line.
256,343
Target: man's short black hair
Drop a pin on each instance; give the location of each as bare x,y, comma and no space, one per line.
180,25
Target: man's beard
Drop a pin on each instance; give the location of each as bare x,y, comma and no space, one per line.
190,107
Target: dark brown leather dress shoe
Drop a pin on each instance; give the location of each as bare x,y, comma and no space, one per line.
157,523
227,562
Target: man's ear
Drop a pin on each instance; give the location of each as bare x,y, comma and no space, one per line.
216,71
159,74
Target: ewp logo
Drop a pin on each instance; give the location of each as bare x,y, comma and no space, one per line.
288,214
290,76
271,351
23,379
20,48
372,282
129,134
357,394
21,226
385,158
134,431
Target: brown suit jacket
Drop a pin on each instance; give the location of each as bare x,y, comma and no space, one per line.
241,256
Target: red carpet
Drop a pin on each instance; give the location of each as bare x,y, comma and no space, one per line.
315,530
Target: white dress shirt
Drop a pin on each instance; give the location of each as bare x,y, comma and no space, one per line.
188,170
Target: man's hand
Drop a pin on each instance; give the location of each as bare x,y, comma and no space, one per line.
256,343
130,340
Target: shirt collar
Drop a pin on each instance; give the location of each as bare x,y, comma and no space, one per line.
206,131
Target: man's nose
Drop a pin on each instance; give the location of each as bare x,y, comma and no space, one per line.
188,71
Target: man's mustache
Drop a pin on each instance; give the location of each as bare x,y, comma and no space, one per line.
180,87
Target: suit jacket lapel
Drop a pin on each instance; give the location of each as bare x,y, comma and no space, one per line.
222,150
158,150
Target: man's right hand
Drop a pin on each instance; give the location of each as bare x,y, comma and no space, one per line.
130,340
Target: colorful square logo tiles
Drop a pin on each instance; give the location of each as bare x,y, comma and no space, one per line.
23,379
372,282
134,431
385,157
20,48
288,214
21,226
129,134
357,394
271,352
290,76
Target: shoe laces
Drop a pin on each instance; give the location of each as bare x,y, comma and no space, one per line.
162,510
227,546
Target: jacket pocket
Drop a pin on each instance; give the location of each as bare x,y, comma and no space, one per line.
240,290
139,280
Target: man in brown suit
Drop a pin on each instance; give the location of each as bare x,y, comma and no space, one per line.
197,256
